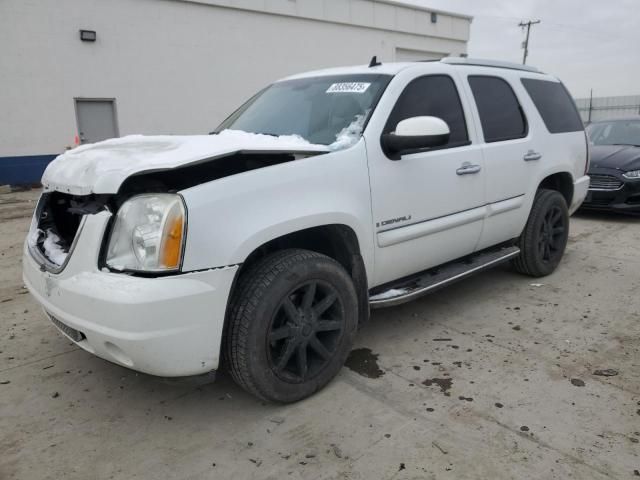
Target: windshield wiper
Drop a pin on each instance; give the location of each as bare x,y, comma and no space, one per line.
625,144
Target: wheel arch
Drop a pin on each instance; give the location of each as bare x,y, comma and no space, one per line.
337,241
561,182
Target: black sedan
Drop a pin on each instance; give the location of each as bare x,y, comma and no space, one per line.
615,165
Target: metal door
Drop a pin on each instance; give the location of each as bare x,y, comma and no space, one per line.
96,119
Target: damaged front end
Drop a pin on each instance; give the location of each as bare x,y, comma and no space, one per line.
131,320
56,225
132,244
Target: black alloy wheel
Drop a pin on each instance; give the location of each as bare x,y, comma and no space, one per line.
552,231
292,320
307,327
545,235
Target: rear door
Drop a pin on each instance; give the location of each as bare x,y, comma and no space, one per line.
511,154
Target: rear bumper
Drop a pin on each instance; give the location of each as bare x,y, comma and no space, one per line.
580,190
166,326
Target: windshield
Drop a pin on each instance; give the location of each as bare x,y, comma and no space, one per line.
331,110
619,132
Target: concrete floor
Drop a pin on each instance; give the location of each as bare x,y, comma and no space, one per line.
523,400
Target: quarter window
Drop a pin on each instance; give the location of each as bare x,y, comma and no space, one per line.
556,107
434,96
501,115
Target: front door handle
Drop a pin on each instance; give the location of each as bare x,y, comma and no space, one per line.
467,169
531,156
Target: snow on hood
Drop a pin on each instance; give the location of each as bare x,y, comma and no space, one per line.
102,167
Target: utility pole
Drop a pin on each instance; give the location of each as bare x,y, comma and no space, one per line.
525,44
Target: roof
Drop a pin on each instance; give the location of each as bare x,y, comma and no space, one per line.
393,68
384,69
482,62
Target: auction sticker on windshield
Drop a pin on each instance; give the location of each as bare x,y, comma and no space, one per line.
348,87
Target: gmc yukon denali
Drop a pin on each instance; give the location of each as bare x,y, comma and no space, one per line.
264,245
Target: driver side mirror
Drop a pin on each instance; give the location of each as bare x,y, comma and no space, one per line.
414,134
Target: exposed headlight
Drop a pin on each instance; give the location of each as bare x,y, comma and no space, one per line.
148,234
632,175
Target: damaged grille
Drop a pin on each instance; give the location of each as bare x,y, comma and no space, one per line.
58,219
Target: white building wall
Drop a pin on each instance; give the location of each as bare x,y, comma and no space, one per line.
179,67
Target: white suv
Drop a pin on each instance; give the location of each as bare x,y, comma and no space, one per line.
266,243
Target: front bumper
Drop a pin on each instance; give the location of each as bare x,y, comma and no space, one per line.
624,199
167,326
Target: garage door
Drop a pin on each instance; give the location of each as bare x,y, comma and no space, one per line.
408,55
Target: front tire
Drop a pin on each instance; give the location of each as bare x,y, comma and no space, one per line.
545,235
292,322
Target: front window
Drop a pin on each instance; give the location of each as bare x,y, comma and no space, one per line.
618,132
433,96
330,110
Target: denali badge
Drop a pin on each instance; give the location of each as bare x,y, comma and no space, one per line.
406,218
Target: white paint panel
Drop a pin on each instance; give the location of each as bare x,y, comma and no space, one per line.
403,234
335,189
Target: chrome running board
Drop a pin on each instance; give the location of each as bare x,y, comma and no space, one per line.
412,287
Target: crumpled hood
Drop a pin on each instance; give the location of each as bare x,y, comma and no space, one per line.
102,167
620,157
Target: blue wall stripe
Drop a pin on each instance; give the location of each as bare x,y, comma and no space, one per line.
24,169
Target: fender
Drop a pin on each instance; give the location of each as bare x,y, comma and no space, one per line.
230,217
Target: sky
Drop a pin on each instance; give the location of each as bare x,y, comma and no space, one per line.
588,44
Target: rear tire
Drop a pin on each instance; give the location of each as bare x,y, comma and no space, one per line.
292,321
545,235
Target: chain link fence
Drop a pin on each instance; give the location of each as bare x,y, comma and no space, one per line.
606,108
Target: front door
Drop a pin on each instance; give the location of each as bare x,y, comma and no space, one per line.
428,207
96,120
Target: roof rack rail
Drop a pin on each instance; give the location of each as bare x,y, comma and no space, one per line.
480,62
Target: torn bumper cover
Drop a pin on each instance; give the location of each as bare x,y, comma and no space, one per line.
166,326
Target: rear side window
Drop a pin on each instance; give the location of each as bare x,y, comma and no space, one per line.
435,96
556,107
501,115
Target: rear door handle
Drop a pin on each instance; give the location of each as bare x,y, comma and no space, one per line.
531,156
467,169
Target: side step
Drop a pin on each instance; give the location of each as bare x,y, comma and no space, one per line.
410,288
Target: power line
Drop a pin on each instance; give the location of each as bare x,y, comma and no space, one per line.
525,45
